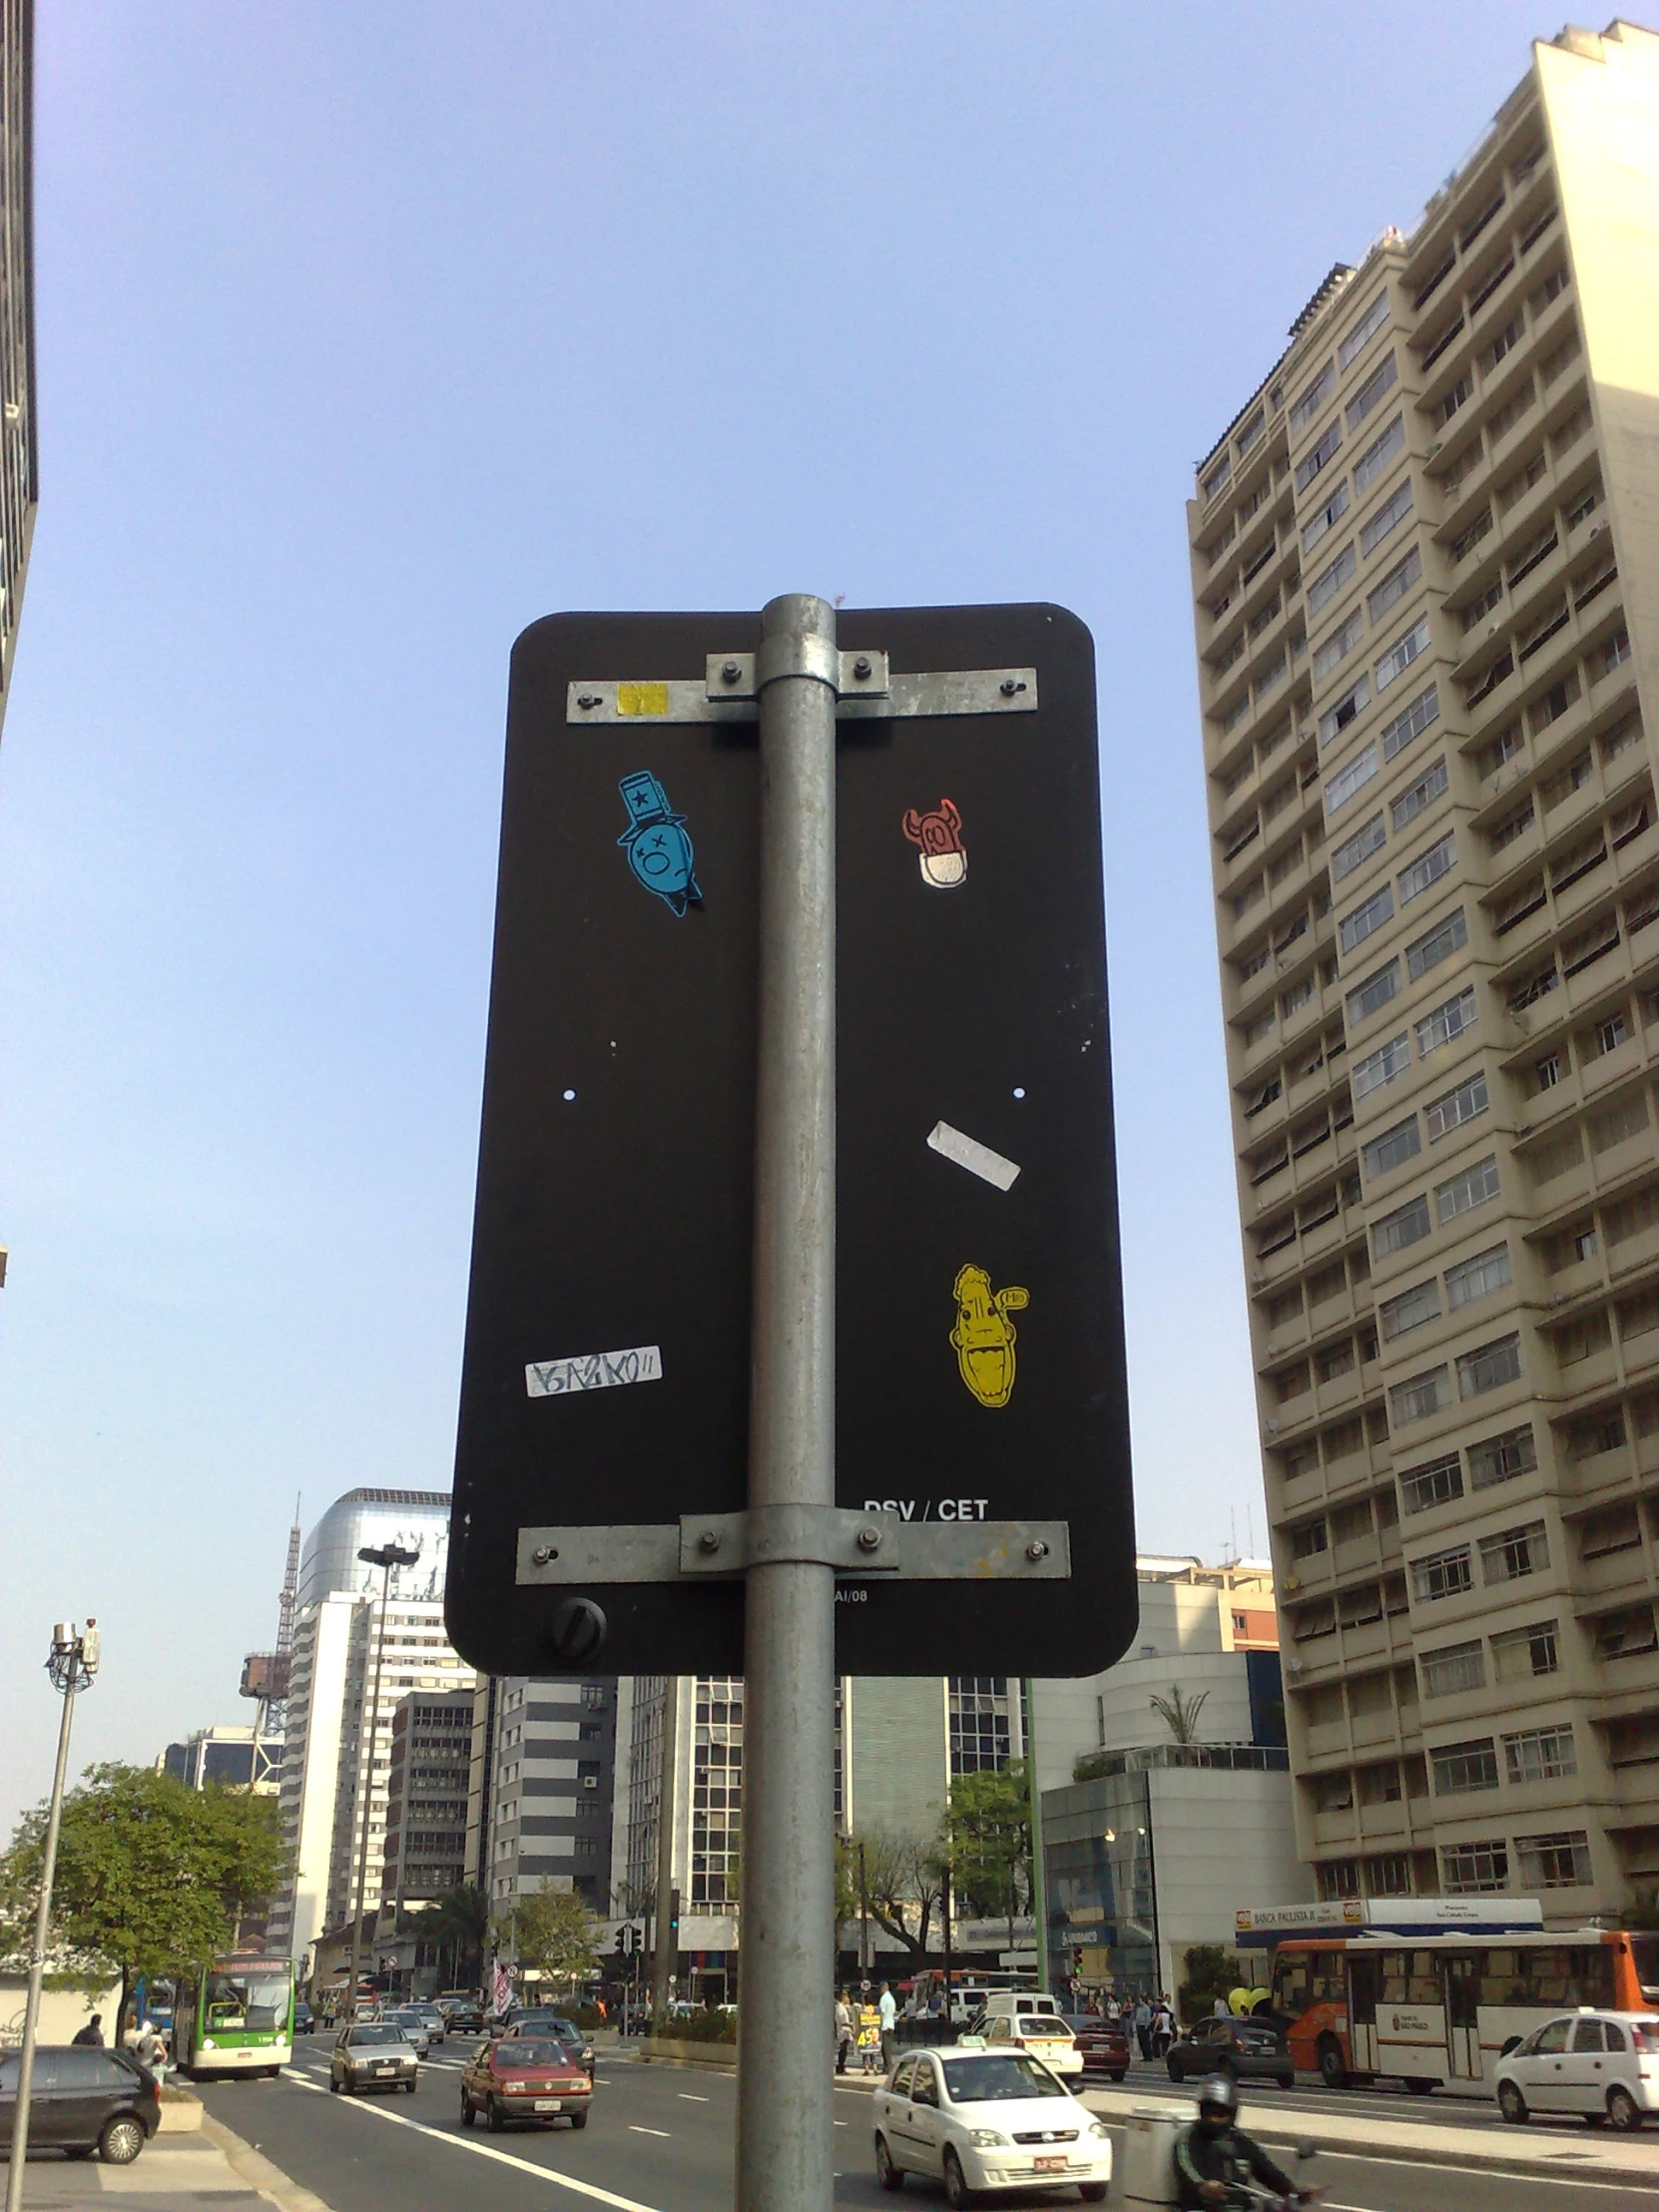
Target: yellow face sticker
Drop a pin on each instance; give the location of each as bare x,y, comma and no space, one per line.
984,1335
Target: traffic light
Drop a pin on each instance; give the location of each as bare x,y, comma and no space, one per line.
674,1919
622,1947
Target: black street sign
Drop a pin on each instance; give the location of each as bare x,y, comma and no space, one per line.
979,1352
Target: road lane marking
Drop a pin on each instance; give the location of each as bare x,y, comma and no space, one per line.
662,2131
549,2174
1551,2176
686,2097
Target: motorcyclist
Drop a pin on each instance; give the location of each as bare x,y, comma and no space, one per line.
1216,2163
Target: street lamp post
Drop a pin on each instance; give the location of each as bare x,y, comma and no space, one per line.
385,1557
72,1665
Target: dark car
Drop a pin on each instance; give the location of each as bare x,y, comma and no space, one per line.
465,2019
305,2019
525,2077
1252,2049
1104,2043
543,2022
83,2100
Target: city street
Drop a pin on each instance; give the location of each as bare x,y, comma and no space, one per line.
659,2140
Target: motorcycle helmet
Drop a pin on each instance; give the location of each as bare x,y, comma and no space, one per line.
1218,2104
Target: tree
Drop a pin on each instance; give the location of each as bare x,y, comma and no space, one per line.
458,1921
987,1841
901,1885
151,1878
1180,1714
551,1932
1211,1973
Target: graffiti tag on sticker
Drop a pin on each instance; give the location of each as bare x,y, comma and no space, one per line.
983,1337
944,856
593,1370
656,842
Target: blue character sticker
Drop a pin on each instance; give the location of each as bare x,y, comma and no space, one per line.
659,849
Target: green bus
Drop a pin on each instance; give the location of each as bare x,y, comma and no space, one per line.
235,2017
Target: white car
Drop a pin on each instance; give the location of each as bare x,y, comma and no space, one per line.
981,2119
1601,2065
1043,2035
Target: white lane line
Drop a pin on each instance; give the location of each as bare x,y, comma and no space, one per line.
660,2131
968,1152
549,2174
686,2097
1553,2174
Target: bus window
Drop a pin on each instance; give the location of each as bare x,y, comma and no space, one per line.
1392,1966
1590,1974
1463,1991
1362,1980
1504,1978
1423,1983
1290,1983
1644,1952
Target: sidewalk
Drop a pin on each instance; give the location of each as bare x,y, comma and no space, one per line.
1546,2148
173,2173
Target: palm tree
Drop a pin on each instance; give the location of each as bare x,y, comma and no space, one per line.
460,1920
1180,1714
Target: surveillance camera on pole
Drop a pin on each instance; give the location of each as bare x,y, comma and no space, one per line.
71,1665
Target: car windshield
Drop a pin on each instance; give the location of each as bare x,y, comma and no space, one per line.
528,2052
998,2079
409,2018
376,2032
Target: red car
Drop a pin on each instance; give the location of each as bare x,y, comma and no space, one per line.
1103,2042
521,2078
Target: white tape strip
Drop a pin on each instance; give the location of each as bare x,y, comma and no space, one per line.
593,1370
968,1153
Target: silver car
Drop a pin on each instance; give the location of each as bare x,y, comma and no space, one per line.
416,2032
373,2054
437,2027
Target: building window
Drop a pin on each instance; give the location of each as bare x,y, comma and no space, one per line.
1377,456
1391,1149
982,1730
1449,1020
1312,400
1442,1574
1374,994
1436,1483
1318,455
1514,1552
1489,1367
1337,717
1462,1193
1327,519
1459,1768
1421,796
1365,842
1366,921
1384,1066
1339,645
1408,1225
1501,1459
1402,653
1458,1666
1393,509
1394,585
1611,1033
1455,1108
1440,943
1310,1539
1429,869
1521,1653
1410,1310
1471,1866
1372,392
1541,1754
1375,316
1331,579
1547,1071
1558,1861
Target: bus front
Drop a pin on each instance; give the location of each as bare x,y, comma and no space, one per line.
237,2018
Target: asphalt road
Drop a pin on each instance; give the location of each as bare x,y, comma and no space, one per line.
659,2140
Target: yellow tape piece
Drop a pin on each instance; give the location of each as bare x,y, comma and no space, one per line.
642,698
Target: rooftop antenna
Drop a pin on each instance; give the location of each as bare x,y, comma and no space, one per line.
291,1585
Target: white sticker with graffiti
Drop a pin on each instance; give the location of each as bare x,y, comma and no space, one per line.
968,1153
593,1370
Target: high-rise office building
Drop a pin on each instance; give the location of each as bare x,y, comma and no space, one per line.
340,1629
1425,562
424,1852
19,457
543,1771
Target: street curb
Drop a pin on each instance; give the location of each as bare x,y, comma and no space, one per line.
258,2170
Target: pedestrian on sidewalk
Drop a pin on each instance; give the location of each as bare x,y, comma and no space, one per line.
1143,2024
92,2033
846,2032
886,2006
1163,2028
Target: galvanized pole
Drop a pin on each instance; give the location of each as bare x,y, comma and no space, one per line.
1039,1872
785,2072
69,1675
665,1947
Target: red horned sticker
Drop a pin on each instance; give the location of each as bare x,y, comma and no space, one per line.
944,856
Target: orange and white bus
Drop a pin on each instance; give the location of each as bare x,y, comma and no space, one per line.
1427,2008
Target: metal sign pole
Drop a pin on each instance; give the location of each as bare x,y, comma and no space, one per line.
663,1951
784,2161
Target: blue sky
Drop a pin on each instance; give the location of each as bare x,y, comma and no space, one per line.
370,333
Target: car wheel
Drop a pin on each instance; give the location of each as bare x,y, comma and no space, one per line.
1624,2110
578,2120
1092,2192
467,2113
78,2150
1417,2087
1176,2072
335,2083
1286,2082
1117,2077
1513,2104
887,2173
497,2118
1332,2072
411,2086
956,2190
121,2142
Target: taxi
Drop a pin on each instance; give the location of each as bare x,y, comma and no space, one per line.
984,2120
1045,2036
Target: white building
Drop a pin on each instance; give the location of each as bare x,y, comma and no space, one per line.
337,1629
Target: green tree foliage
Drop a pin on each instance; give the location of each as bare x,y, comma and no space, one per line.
458,1923
1178,1714
988,1842
901,1876
551,1932
151,1878
1211,1973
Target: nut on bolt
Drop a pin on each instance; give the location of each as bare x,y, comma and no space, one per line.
708,1540
543,1554
862,668
869,1539
1012,685
1036,1550
590,699
730,672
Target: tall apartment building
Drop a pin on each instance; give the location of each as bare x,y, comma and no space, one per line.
340,1628
424,1851
1425,565
19,453
543,1768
